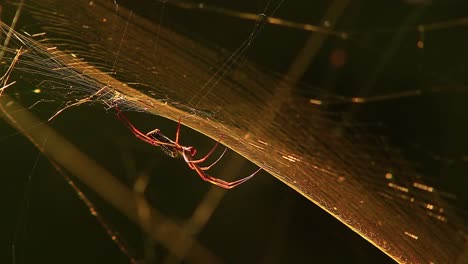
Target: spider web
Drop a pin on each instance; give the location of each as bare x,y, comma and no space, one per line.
101,52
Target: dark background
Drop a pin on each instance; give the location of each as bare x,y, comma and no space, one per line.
262,221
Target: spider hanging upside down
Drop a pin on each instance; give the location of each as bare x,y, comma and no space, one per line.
174,149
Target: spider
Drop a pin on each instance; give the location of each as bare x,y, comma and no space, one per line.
174,149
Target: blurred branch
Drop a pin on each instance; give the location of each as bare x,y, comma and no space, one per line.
131,204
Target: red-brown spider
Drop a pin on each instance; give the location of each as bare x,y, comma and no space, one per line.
174,149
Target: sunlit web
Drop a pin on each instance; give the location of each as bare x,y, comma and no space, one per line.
310,139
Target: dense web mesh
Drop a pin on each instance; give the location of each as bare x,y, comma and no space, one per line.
100,52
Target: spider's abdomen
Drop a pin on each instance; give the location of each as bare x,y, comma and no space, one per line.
171,151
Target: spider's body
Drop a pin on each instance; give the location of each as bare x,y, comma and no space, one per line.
170,150
174,149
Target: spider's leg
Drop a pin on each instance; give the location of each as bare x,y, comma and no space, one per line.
177,132
187,160
138,133
191,163
222,183
135,131
154,131
208,154
212,164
